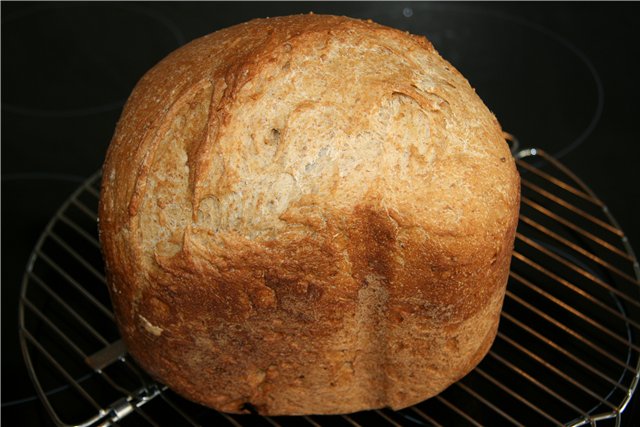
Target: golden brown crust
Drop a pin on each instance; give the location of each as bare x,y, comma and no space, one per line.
311,214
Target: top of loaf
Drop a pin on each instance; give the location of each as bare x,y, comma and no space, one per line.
281,128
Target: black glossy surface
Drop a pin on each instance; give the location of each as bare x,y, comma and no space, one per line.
562,77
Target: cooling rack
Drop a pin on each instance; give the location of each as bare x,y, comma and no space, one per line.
567,350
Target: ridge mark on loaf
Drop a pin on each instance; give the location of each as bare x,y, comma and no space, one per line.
154,136
371,250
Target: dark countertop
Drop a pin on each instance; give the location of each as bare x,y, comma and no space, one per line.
559,76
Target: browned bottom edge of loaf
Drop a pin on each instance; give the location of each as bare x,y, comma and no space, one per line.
247,407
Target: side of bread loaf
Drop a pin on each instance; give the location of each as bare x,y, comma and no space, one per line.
310,214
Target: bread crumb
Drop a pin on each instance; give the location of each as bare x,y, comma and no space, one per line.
150,327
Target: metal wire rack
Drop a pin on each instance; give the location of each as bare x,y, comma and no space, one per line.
567,350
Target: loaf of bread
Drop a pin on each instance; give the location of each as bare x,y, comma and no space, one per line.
307,215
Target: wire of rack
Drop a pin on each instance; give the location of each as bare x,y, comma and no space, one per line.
567,350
